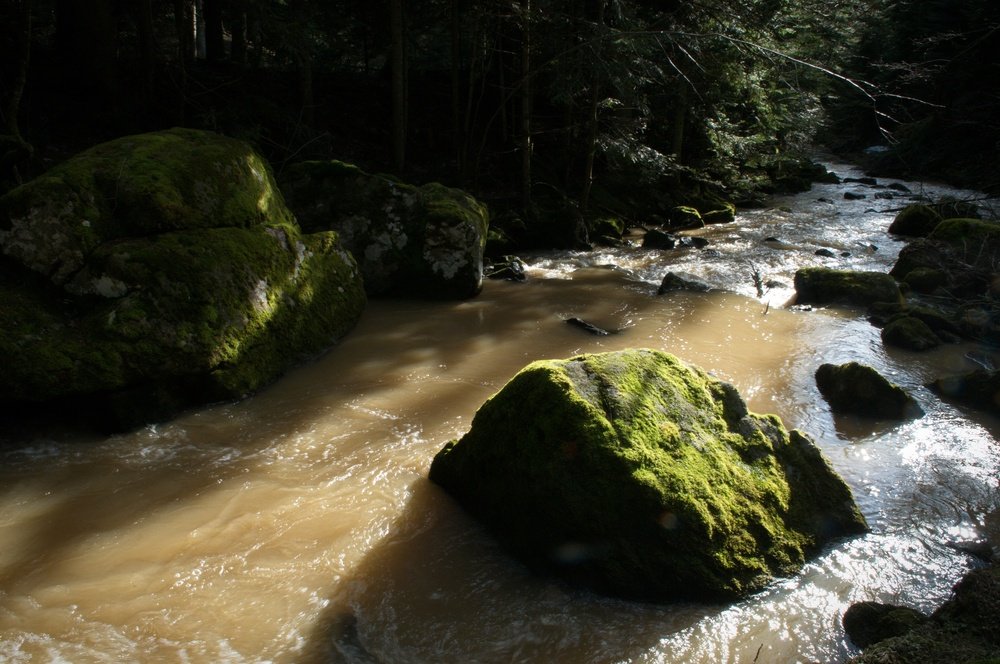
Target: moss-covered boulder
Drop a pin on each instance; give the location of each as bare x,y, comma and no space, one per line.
915,220
161,270
684,217
636,475
966,251
860,390
963,629
820,285
425,241
867,623
911,333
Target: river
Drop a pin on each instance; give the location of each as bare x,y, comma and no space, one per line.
298,525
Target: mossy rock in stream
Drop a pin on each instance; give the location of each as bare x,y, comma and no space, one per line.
915,220
159,271
860,390
636,475
963,629
425,241
820,285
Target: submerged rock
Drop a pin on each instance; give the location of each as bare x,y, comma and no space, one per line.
819,285
636,475
158,271
858,389
425,241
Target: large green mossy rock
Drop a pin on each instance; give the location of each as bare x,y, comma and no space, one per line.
158,271
425,241
639,476
820,285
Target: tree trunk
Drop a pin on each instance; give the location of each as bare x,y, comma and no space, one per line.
526,144
238,47
200,38
397,33
592,124
16,55
86,38
680,113
147,48
215,48
457,124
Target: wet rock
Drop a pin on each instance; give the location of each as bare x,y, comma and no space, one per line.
963,629
657,239
915,221
978,389
883,196
818,285
867,623
695,241
899,186
425,241
910,333
871,182
132,292
681,281
927,280
857,389
589,327
826,253
508,268
685,217
968,250
638,476
854,196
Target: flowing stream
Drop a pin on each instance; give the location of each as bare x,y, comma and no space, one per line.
299,526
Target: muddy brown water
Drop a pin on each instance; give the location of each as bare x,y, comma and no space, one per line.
299,526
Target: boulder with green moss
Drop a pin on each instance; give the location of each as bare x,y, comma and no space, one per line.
161,270
911,333
425,241
820,285
963,629
636,475
860,390
966,251
915,220
867,623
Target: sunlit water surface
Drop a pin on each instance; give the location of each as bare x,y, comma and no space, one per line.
299,526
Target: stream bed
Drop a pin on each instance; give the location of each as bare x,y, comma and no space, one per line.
298,525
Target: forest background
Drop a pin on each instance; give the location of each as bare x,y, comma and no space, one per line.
560,114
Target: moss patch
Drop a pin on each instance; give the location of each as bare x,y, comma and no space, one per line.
859,389
637,475
425,241
818,285
183,279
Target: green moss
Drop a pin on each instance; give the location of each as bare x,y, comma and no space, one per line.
915,220
911,333
820,285
968,232
173,273
859,389
652,473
